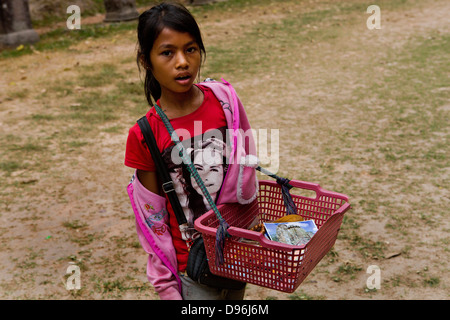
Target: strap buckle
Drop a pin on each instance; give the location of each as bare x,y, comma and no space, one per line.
168,186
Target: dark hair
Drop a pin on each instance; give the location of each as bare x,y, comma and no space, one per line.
151,22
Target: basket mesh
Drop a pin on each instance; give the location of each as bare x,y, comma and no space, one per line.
283,268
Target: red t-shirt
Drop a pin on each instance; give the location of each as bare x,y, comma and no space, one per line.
203,133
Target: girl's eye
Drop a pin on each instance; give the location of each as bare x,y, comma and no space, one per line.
191,49
166,53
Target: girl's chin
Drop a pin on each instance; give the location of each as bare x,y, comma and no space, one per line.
180,88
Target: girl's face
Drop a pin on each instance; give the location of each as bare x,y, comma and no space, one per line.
175,61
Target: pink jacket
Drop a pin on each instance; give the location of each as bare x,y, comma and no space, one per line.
240,185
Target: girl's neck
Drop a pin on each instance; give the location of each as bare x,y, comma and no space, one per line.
177,105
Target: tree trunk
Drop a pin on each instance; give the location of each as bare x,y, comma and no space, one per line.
15,23
120,10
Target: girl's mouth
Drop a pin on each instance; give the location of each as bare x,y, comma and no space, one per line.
183,80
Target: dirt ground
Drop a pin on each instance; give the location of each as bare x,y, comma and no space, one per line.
77,211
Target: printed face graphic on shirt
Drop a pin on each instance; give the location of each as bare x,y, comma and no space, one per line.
208,157
209,164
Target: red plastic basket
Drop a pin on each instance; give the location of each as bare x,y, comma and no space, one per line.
268,263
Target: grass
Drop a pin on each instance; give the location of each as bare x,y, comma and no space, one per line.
75,224
300,295
20,155
62,38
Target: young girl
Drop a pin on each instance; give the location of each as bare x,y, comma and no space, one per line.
171,51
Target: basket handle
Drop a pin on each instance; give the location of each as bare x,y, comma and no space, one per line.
320,192
305,185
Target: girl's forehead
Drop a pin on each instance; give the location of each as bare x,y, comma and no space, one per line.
170,37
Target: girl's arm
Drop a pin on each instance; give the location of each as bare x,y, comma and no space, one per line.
149,180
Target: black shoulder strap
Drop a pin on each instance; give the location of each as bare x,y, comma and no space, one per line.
167,183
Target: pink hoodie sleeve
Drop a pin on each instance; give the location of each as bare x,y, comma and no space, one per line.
158,274
155,237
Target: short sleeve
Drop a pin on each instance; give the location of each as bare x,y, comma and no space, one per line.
137,154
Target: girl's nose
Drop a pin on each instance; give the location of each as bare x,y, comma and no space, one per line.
181,62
